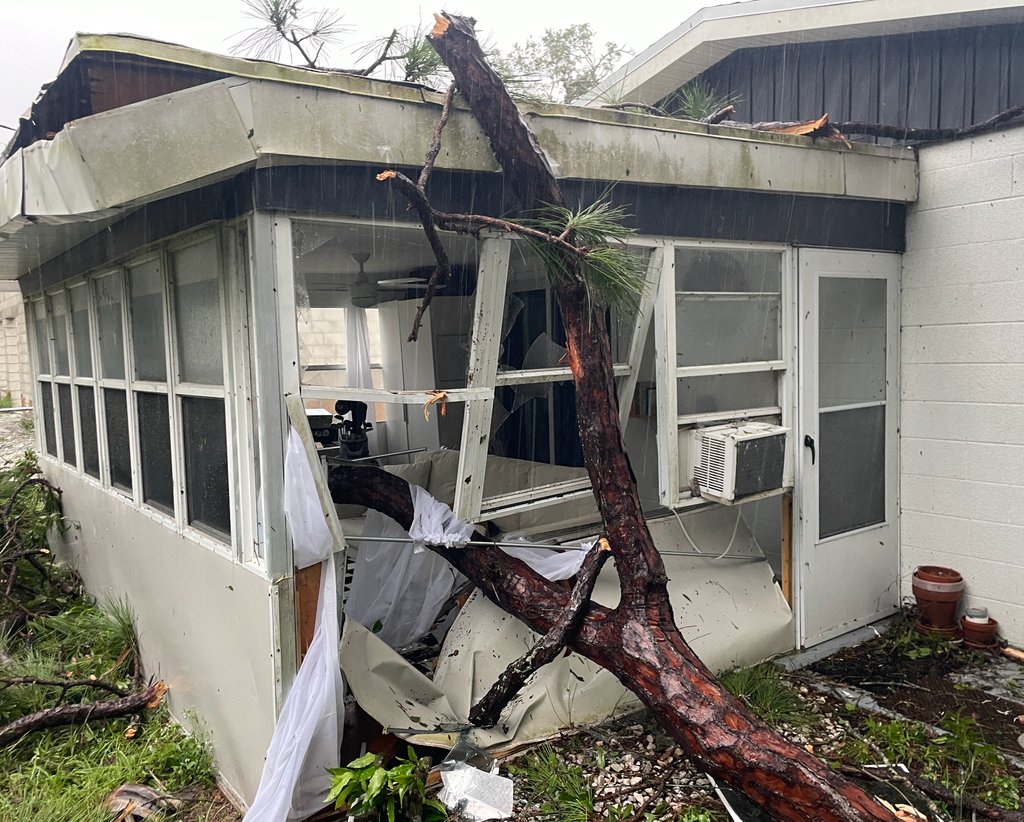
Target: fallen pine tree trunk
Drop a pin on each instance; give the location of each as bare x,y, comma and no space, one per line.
82,712
638,641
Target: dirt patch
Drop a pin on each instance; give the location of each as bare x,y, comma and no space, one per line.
932,697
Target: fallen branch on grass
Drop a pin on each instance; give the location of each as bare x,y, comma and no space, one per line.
65,684
72,714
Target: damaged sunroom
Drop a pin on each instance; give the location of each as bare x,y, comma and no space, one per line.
207,257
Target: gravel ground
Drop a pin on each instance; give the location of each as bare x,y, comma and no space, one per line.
16,436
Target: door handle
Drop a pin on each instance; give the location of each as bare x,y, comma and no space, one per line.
809,443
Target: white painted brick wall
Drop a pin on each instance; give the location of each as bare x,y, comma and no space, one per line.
962,362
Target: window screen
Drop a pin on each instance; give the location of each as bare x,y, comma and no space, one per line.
197,314
206,463
115,404
67,423
49,428
111,330
87,426
80,330
155,448
147,317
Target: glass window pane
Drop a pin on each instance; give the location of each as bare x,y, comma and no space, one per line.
851,340
80,330
155,446
711,331
197,313
206,463
67,423
147,317
703,269
727,392
851,482
115,405
42,325
87,425
49,428
110,327
59,310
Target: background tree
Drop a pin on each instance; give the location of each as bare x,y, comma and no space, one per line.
560,67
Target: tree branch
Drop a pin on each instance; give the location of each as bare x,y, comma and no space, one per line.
71,714
644,107
366,72
488,710
718,116
66,684
435,145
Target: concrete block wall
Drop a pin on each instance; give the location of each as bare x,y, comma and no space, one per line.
14,371
962,413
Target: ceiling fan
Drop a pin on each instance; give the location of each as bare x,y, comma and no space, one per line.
362,290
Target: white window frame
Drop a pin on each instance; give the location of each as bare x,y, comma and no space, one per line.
238,545
671,426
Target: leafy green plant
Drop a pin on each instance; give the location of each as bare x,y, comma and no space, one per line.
904,638
698,99
768,696
561,791
6,401
367,789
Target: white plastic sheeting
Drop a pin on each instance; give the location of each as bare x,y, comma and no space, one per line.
307,739
395,586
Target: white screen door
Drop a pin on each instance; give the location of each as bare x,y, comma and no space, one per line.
847,565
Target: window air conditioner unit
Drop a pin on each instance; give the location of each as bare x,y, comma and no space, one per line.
737,461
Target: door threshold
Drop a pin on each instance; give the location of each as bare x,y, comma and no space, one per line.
816,653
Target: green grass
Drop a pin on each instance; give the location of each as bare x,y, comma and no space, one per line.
960,760
62,775
561,792
767,695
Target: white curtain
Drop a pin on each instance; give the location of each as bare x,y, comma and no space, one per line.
357,365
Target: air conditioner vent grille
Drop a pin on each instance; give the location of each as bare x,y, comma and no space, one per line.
713,465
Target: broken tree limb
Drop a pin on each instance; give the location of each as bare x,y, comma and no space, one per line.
488,710
717,117
644,107
72,714
64,684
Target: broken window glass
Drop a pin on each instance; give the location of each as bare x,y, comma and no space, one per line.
109,326
67,423
206,464
59,318
115,405
155,448
87,425
147,319
197,313
49,426
80,331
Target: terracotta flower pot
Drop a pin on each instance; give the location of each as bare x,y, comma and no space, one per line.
979,634
938,592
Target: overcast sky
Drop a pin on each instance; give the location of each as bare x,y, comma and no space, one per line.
34,34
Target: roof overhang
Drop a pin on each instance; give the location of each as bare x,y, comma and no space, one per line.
55,193
714,33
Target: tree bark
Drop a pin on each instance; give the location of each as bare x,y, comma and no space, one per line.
70,714
638,641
